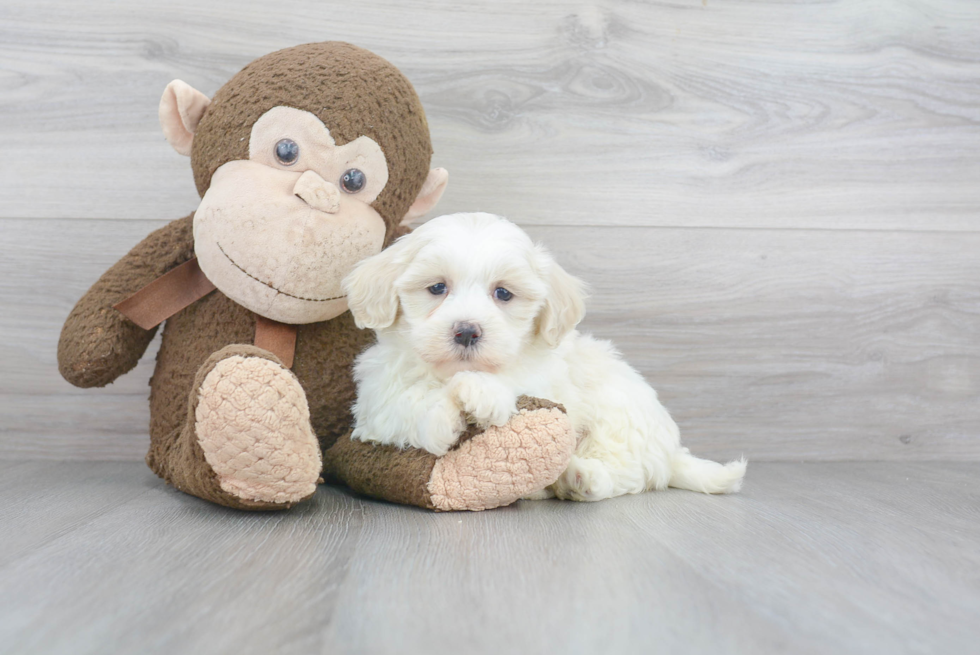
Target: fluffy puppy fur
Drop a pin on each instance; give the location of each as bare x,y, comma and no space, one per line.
470,314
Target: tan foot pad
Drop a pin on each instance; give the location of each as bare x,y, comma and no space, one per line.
504,463
253,423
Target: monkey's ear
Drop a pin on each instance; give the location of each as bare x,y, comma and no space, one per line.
429,195
181,109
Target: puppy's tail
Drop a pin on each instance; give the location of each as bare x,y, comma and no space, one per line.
695,474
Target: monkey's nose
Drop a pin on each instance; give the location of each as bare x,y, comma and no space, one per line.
317,192
466,334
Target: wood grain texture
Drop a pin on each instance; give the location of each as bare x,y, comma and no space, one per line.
44,270
810,558
811,344
776,203
842,114
779,344
47,500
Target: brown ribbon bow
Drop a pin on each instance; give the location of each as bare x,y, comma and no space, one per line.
186,284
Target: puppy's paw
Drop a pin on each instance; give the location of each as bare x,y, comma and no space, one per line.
585,479
483,397
441,428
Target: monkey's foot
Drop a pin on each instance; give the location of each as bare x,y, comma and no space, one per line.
503,464
253,424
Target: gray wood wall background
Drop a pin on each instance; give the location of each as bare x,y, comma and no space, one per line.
776,202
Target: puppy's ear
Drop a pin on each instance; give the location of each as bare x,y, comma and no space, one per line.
370,287
564,306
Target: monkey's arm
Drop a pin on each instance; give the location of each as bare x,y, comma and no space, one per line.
98,344
490,468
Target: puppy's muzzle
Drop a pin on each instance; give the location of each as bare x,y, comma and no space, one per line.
466,334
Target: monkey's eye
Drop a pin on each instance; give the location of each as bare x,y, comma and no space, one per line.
287,152
437,289
502,294
353,180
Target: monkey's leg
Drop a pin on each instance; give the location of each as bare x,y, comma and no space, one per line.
247,442
494,467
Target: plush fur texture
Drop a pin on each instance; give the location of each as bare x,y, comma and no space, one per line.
480,276
253,424
214,432
278,237
515,460
352,91
487,468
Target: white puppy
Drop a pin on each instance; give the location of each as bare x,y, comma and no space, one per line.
470,314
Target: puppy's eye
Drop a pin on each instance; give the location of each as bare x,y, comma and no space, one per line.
502,294
287,152
353,180
437,289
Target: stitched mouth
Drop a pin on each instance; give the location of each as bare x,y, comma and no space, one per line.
285,293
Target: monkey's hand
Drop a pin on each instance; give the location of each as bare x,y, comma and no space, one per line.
98,344
489,468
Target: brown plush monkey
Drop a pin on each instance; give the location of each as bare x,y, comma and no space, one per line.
307,161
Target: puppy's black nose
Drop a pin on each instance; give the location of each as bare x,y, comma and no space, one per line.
466,334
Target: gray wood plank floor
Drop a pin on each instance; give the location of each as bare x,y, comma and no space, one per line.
99,557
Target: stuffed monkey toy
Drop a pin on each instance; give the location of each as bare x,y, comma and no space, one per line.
307,161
